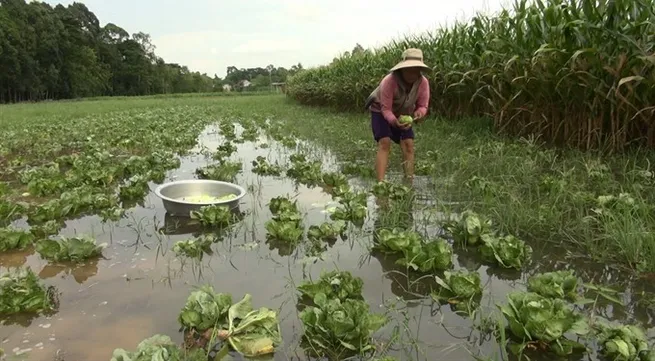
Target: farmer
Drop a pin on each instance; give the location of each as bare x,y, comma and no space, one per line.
404,91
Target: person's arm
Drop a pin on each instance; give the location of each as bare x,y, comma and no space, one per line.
387,89
423,99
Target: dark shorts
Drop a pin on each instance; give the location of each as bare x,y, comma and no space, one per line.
382,129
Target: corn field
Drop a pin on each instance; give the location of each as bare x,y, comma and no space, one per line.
575,73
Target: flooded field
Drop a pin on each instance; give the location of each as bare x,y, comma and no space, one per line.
139,286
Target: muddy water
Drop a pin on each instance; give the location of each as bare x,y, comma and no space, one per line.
139,289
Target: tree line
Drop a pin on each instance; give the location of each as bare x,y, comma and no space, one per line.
62,52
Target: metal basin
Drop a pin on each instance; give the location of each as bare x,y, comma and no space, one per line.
173,192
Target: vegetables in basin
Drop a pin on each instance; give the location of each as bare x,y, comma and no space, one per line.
204,198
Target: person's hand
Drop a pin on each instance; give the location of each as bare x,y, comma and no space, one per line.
402,126
418,117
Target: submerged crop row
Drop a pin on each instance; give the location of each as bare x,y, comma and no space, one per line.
336,321
577,72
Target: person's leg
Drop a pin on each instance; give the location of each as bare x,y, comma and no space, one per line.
382,134
407,147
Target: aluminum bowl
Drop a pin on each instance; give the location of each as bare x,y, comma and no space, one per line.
171,194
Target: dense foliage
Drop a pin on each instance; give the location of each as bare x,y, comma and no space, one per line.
62,52
570,71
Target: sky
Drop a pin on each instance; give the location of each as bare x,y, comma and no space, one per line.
210,35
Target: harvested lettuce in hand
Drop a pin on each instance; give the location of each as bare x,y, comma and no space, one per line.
405,119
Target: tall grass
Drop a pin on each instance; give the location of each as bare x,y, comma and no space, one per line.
572,72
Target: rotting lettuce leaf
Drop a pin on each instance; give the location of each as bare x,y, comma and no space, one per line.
334,328
22,291
507,251
532,317
248,331
158,348
205,309
334,284
559,284
252,332
75,249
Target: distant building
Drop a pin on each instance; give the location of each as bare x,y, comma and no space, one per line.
244,83
227,88
278,87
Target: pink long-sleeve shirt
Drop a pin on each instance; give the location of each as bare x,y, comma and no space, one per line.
388,88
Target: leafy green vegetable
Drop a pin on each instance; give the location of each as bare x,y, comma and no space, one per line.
334,328
75,249
397,240
158,348
532,317
334,284
286,225
326,230
507,251
391,190
278,205
21,291
428,256
193,248
335,180
11,238
405,119
303,171
262,167
224,150
352,209
225,171
284,230
458,286
417,253
559,284
469,229
625,343
214,216
252,332
205,309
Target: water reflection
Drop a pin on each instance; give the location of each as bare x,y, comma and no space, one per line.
15,259
81,272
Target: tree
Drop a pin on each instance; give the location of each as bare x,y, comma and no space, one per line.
63,52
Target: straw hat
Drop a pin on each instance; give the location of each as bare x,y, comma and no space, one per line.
412,58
